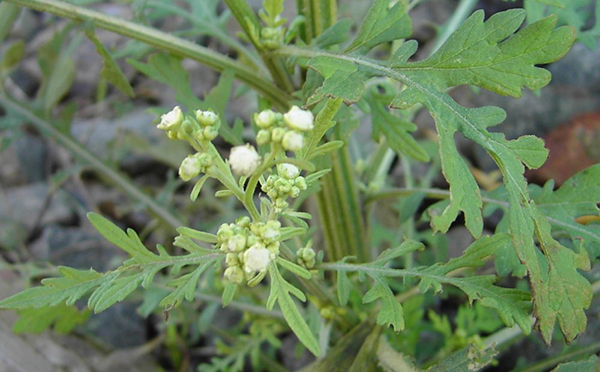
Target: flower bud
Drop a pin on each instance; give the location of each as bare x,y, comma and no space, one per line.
265,119
224,233
300,183
257,258
206,118
190,168
263,137
288,171
171,120
232,259
299,119
244,160
293,141
237,243
188,125
277,134
210,132
234,274
294,192
243,221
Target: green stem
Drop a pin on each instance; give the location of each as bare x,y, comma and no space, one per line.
250,23
117,178
210,29
161,40
546,364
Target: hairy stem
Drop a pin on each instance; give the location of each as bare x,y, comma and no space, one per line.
164,41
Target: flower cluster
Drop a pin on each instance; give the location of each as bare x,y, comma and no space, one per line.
286,183
287,129
199,130
250,248
306,257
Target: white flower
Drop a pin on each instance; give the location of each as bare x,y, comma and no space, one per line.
244,160
206,118
190,168
257,258
171,119
265,119
299,119
288,171
293,141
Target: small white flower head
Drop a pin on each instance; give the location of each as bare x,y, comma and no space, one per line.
244,160
234,274
257,258
293,141
171,119
206,118
299,119
265,119
288,171
190,168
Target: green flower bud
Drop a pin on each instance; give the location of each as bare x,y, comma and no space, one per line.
190,168
281,204
277,134
210,132
294,192
232,259
224,233
300,183
206,118
263,137
188,125
265,119
293,141
234,274
243,221
271,38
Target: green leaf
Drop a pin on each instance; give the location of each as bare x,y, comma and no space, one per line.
512,305
198,235
589,365
228,293
58,69
468,359
395,129
62,318
342,354
577,197
480,54
167,69
391,311
323,122
185,286
68,288
280,292
382,25
335,34
8,15
110,69
292,267
343,79
343,288
12,56
488,55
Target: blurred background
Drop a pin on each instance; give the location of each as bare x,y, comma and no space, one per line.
46,187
